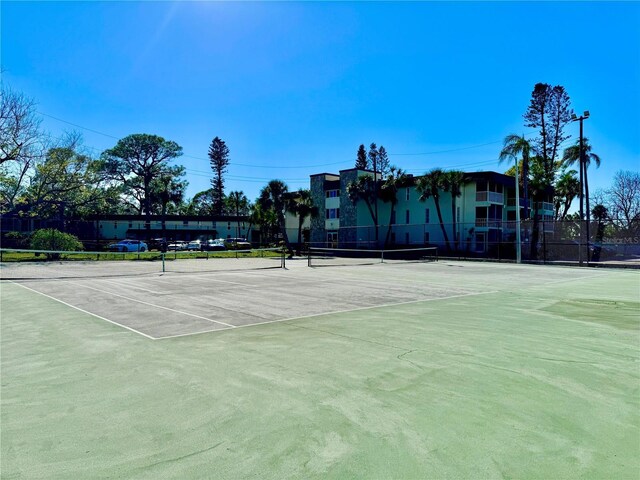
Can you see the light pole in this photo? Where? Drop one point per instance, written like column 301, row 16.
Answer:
column 581, row 118
column 518, row 244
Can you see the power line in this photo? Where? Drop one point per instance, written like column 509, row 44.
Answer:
column 457, row 149
column 78, row 126
column 296, row 166
column 254, row 179
column 192, row 156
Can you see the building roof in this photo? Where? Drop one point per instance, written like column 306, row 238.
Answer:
column 158, row 218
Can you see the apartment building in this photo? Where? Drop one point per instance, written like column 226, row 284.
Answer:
column 483, row 214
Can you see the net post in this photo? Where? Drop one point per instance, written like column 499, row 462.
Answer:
column 283, row 261
column 163, row 262
column 309, row 256
column 381, row 256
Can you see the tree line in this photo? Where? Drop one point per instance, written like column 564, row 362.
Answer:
column 546, row 167
column 57, row 178
column 46, row 177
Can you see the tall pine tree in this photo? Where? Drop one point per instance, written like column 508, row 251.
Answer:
column 219, row 160
column 361, row 159
column 383, row 162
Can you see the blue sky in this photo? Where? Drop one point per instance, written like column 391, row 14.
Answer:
column 294, row 88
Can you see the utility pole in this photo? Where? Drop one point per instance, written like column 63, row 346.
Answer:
column 581, row 118
column 518, row 245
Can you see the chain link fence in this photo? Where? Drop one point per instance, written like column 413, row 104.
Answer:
column 544, row 241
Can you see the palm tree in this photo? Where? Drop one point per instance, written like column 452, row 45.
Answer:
column 165, row 189
column 238, row 203
column 274, row 197
column 365, row 188
column 302, row 206
column 514, row 146
column 265, row 219
column 389, row 193
column 572, row 155
column 566, row 190
column 454, row 181
column 429, row 186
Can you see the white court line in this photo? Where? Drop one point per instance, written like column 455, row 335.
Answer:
column 155, row 306
column 331, row 313
column 83, row 311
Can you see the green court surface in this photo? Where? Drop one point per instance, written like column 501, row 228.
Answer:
column 531, row 372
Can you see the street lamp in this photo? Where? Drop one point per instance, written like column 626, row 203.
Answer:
column 581, row 118
column 518, row 244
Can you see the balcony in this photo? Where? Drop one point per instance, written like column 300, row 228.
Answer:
column 511, row 202
column 546, row 206
column 488, row 223
column 490, row 197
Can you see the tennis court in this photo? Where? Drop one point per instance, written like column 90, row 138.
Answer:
column 393, row 370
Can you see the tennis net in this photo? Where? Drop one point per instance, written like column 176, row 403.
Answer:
column 48, row 264
column 324, row 257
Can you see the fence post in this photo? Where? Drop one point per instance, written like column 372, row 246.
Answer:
column 580, row 243
column 163, row 262
column 544, row 244
column 588, row 224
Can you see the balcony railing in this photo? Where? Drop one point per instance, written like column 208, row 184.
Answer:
column 511, row 202
column 488, row 223
column 491, row 197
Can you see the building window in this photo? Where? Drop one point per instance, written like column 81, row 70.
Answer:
column 333, row 213
column 407, row 194
column 407, row 217
column 426, row 215
column 331, row 193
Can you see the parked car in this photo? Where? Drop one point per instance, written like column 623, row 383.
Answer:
column 177, row 245
column 194, row 245
column 128, row 246
column 213, row 245
column 158, row 244
column 237, row 244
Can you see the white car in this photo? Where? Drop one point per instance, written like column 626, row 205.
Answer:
column 177, row 245
column 128, row 246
